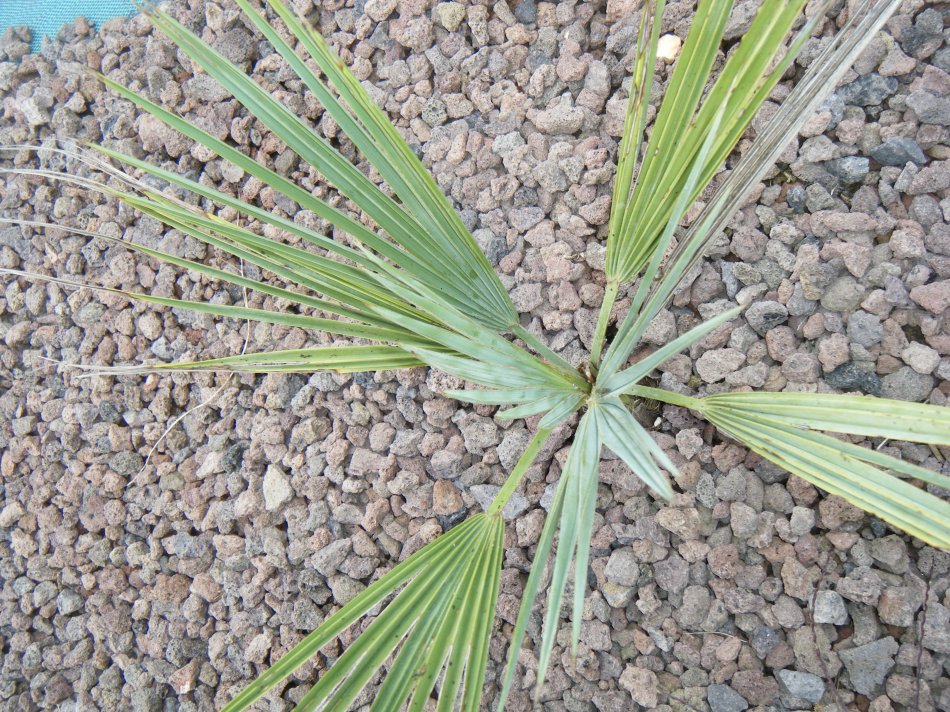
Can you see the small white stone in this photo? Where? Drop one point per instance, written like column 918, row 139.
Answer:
column 276, row 487
column 668, row 47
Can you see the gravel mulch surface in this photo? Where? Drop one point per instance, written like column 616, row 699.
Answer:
column 168, row 586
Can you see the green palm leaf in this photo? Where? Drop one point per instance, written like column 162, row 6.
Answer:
column 781, row 427
column 464, row 277
column 370, row 130
column 440, row 620
column 682, row 125
column 571, row 516
column 424, row 579
column 631, row 443
column 823, row 74
column 855, row 415
column 818, row 459
column 339, row 359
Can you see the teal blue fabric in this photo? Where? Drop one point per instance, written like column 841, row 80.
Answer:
column 45, row 17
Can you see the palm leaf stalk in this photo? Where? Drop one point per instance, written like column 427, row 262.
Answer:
column 408, row 282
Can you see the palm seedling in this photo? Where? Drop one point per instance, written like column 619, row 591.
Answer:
column 408, row 286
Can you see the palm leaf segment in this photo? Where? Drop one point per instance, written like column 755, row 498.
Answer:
column 435, row 629
column 422, row 283
column 434, row 245
column 781, row 427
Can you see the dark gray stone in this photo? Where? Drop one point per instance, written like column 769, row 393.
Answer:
column 850, row 169
column 898, row 152
column 763, row 316
column 941, row 59
column 869, row 90
column 801, row 685
column 494, row 246
column 722, row 698
column 795, row 197
column 925, row 36
column 763, row 640
column 852, row 377
column 869, row 664
column 526, row 11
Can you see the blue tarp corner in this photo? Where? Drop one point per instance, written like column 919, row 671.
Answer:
column 46, row 17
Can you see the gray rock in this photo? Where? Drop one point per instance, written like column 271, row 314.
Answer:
column 562, row 118
column 890, row 552
column 764, row 640
column 622, row 567
column 672, row 574
column 444, row 465
column 869, row 664
column 485, row 494
column 942, row 59
column 550, row 176
column 506, row 143
column 803, row 641
column 11, row 514
column 852, row 377
column 906, row 384
column 864, row 328
column 743, row 519
column 802, row 685
column 526, row 11
column 715, row 365
column 925, row 36
column 843, row 295
column 850, row 169
column 722, row 698
column 921, row 357
column 523, row 219
column 830, row 608
column 512, row 445
column 68, row 601
column 766, row 315
column 795, row 197
column 937, row 628
column 598, row 79
column 479, row 433
column 898, row 152
column 494, row 246
column 330, row 557
column 869, row 90
column 862, row 585
column 434, row 113
column 802, row 520
column 732, row 487
column 617, row 596
column 930, row 109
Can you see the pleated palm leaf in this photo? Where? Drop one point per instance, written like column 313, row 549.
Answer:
column 410, row 280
